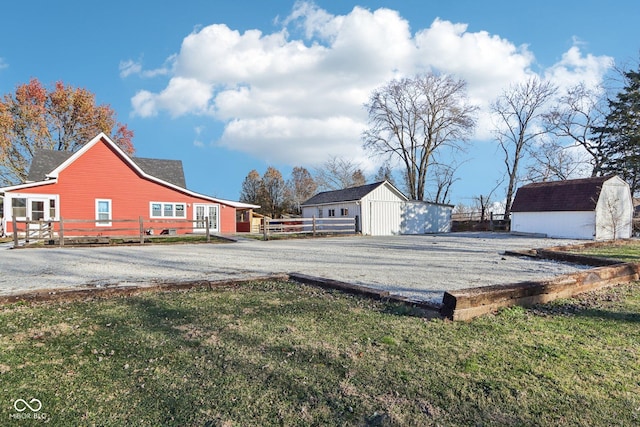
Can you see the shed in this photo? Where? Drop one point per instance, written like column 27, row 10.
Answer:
column 599, row 208
column 380, row 209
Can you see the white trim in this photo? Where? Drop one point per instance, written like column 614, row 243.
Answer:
column 103, row 223
column 173, row 210
column 213, row 228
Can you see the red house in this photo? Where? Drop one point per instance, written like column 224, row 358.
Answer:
column 100, row 181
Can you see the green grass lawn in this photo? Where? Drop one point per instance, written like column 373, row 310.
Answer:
column 281, row 353
column 626, row 251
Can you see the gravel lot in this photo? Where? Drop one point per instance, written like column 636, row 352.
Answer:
column 421, row 267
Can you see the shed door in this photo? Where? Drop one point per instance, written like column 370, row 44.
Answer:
column 202, row 213
column 384, row 218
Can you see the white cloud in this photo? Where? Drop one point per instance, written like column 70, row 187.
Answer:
column 298, row 100
column 3, row 64
column 130, row 67
column 574, row 66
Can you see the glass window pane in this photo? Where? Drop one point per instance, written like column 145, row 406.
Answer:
column 52, row 208
column 180, row 210
column 168, row 209
column 19, row 207
column 156, row 209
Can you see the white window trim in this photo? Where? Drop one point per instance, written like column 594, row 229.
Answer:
column 173, row 215
column 102, row 223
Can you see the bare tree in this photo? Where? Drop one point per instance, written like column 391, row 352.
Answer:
column 273, row 188
column 338, row 173
column 251, row 188
column 443, row 178
column 553, row 161
column 385, row 173
column 300, row 187
column 411, row 118
column 483, row 202
column 576, row 116
column 519, row 111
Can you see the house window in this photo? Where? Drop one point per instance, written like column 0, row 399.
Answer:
column 344, row 212
column 167, row 210
column 52, row 208
column 319, row 212
column 103, row 212
column 19, row 206
column 332, row 212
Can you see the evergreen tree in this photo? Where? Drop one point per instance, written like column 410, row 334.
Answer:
column 621, row 132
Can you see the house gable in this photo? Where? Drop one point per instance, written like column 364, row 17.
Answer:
column 46, row 161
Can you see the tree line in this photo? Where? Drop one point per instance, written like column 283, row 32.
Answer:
column 277, row 196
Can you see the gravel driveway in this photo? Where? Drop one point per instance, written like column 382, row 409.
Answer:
column 421, row 267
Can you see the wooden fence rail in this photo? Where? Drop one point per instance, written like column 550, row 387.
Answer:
column 307, row 225
column 141, row 227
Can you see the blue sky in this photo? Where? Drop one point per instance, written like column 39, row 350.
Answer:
column 227, row 87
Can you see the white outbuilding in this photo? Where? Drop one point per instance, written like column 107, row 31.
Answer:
column 380, row 209
column 599, row 208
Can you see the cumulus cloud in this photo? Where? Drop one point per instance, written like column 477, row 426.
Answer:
column 298, row 99
column 3, row 63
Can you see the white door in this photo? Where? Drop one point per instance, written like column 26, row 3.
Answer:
column 36, row 211
column 210, row 212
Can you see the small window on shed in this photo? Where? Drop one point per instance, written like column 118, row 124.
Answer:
column 319, row 212
column 332, row 212
column 344, row 212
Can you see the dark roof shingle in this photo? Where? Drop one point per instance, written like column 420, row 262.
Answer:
column 345, row 195
column 45, row 161
column 558, row 196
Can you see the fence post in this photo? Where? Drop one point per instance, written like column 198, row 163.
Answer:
column 491, row 221
column 15, row 232
column 61, row 232
column 313, row 225
column 141, row 231
column 206, row 221
column 265, row 227
column 26, row 231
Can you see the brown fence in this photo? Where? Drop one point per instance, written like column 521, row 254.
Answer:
column 475, row 221
column 141, row 229
column 311, row 226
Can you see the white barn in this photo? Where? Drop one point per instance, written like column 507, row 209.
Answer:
column 380, row 209
column 599, row 208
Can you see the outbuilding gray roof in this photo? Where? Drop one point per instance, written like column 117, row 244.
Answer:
column 345, row 195
column 577, row 195
column 45, row 161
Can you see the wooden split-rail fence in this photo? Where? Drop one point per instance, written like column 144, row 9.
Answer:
column 141, row 229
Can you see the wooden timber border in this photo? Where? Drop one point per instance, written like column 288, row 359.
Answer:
column 465, row 304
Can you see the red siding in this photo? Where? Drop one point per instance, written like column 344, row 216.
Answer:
column 100, row 173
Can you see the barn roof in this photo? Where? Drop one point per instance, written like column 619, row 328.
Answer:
column 556, row 196
column 45, row 161
column 347, row 195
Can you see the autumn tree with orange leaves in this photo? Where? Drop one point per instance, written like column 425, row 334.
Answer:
column 63, row 118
